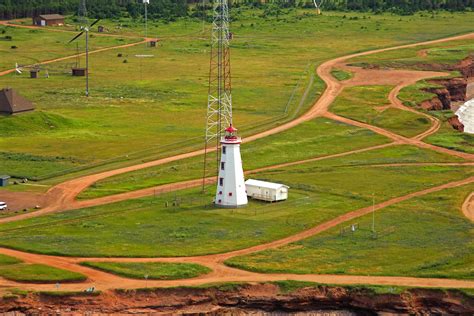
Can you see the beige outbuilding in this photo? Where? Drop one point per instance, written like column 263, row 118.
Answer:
column 266, row 191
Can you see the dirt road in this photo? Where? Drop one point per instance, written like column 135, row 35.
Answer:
column 6, row 72
column 468, row 207
column 223, row 273
column 63, row 197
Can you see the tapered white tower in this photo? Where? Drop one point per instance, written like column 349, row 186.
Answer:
column 231, row 184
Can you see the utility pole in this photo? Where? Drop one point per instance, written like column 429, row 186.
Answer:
column 373, row 214
column 87, row 61
column 219, row 102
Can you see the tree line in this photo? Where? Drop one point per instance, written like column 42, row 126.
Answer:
column 13, row 9
column 169, row 9
column 397, row 6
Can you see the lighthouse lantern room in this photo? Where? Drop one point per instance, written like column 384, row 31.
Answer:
column 231, row 184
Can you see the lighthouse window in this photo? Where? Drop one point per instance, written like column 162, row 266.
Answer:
column 221, row 181
column 223, row 150
column 222, row 165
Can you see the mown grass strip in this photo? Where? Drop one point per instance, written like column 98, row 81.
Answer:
column 150, row 270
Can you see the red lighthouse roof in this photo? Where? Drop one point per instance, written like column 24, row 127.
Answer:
column 230, row 135
column 231, row 129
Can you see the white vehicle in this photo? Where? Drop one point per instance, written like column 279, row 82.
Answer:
column 3, row 206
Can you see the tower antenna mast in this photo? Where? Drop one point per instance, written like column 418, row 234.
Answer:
column 146, row 3
column 219, row 102
column 82, row 13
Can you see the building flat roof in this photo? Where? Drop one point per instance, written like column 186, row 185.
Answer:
column 4, row 177
column 51, row 16
column 265, row 184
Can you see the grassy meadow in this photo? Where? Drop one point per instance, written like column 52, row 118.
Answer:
column 426, row 236
column 141, row 107
column 15, row 270
column 152, row 226
column 369, row 104
column 442, row 57
column 150, row 270
column 450, row 138
column 36, row 45
column 320, row 137
column 341, row 75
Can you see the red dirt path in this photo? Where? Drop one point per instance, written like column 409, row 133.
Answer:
column 62, row 197
column 468, row 207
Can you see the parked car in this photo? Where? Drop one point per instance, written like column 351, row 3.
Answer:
column 3, row 206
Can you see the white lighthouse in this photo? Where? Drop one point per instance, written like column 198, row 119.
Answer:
column 230, row 191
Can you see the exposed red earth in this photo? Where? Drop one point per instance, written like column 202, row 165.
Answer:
column 62, row 197
column 255, row 299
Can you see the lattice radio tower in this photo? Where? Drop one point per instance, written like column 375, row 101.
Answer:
column 219, row 102
column 82, row 13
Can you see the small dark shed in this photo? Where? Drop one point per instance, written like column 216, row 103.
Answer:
column 78, row 72
column 34, row 73
column 48, row 20
column 12, row 103
column 4, row 181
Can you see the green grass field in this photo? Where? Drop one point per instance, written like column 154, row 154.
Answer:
column 413, row 95
column 15, row 270
column 421, row 57
column 450, row 138
column 319, row 137
column 32, row 273
column 424, row 237
column 144, row 108
column 447, row 136
column 440, row 57
column 36, row 45
column 341, row 75
column 320, row 145
column 7, row 260
column 146, row 227
column 368, row 104
column 159, row 101
column 150, row 270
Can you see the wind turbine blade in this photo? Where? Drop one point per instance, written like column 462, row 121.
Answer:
column 97, row 21
column 76, row 37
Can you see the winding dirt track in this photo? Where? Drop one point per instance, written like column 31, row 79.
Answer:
column 6, row 72
column 62, row 196
column 223, row 273
column 468, row 207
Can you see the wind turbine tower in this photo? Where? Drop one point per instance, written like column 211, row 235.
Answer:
column 220, row 134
